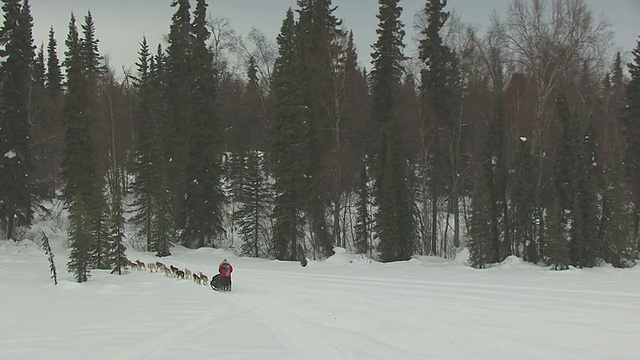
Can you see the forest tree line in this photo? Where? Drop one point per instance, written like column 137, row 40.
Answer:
column 522, row 139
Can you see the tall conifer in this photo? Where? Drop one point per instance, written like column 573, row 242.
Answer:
column 54, row 74
column 394, row 219
column 78, row 162
column 202, row 207
column 288, row 133
column 631, row 120
column 153, row 217
column 440, row 90
column 16, row 169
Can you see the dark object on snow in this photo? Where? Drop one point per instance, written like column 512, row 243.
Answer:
column 219, row 283
column 214, row 282
column 303, row 263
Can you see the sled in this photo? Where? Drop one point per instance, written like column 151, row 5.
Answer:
column 214, row 282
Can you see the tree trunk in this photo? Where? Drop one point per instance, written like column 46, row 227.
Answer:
column 434, row 221
column 456, row 223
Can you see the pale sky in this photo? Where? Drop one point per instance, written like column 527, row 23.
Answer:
column 120, row 24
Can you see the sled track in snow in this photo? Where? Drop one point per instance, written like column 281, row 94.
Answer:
column 427, row 287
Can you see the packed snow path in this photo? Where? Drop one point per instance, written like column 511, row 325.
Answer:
column 341, row 308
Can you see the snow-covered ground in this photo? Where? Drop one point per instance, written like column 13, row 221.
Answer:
column 341, row 308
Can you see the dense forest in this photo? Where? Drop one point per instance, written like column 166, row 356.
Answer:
column 521, row 139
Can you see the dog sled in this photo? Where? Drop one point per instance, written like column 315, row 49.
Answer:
column 217, row 286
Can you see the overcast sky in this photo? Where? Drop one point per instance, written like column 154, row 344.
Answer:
column 120, row 24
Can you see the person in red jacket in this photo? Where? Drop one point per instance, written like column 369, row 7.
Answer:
column 224, row 281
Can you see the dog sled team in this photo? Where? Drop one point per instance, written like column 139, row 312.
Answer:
column 220, row 281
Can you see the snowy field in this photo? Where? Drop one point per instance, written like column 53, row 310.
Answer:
column 341, row 308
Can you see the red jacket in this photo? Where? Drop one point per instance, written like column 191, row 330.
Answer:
column 225, row 269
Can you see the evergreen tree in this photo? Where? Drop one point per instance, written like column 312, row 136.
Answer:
column 54, row 74
column 394, row 221
column 495, row 169
column 117, row 247
column 46, row 246
column 162, row 223
column 79, row 239
column 78, row 163
column 39, row 73
column 16, row 186
column 288, row 133
column 568, row 156
column 40, row 150
column 27, row 22
column 631, row 120
column 617, row 232
column 153, row 217
column 481, row 242
column 584, row 221
column 178, row 95
column 202, row 208
column 100, row 237
column 253, row 84
column 523, row 194
column 254, row 212
column 440, row 89
column 89, row 48
column 363, row 218
column 146, row 156
column 92, row 70
column 556, row 245
column 47, row 104
column 317, row 33
column 575, row 185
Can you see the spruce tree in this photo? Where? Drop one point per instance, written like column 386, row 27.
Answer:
column 92, row 70
column 202, row 207
column 39, row 72
column 153, row 216
column 163, row 225
column 523, row 194
column 617, row 227
column 92, row 59
column 631, row 121
column 394, row 220
column 495, row 170
column 575, row 183
column 178, row 64
column 145, row 153
column 584, row 225
column 54, row 74
column 46, row 104
column 78, row 161
column 116, row 222
column 568, row 156
column 16, row 170
column 253, row 215
column 46, row 246
column 440, row 89
column 318, row 32
column 79, row 239
column 288, row 133
column 481, row 242
column 556, row 245
column 40, row 150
